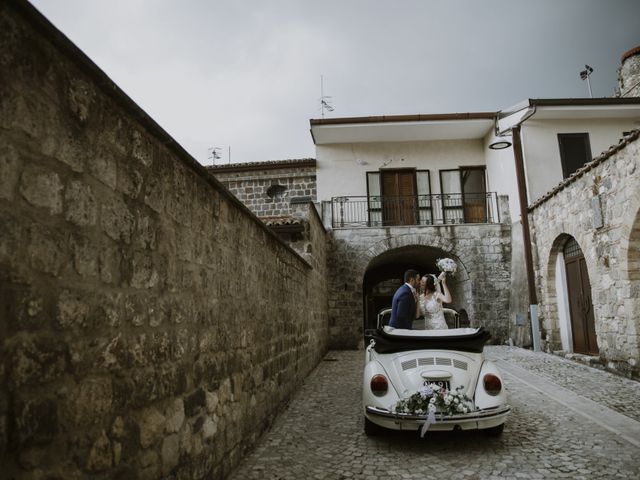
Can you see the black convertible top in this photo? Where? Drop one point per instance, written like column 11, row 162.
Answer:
column 395, row 342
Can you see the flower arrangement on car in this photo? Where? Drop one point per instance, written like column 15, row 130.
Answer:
column 434, row 398
column 447, row 265
column 431, row 399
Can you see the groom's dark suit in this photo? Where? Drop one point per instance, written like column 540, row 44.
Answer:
column 403, row 308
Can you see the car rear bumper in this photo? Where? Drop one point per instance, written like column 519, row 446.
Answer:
column 479, row 419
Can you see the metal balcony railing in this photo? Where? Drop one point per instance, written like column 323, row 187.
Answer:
column 437, row 209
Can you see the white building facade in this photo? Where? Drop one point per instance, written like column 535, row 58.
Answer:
column 402, row 191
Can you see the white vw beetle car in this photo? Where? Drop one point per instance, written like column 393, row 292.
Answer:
column 401, row 362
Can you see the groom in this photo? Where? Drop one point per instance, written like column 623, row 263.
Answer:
column 403, row 306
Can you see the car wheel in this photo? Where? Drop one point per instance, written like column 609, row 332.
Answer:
column 371, row 429
column 494, row 431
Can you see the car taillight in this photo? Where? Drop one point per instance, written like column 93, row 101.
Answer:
column 492, row 384
column 379, row 385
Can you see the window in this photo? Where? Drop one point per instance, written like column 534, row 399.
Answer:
column 464, row 196
column 451, row 199
column 423, row 180
column 276, row 191
column 575, row 151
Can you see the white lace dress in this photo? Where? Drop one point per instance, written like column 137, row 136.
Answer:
column 431, row 307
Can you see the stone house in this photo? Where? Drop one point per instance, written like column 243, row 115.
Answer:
column 403, row 191
column 586, row 235
column 267, row 188
column 278, row 192
column 400, row 192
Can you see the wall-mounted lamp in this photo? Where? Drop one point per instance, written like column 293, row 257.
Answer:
column 500, row 145
column 360, row 162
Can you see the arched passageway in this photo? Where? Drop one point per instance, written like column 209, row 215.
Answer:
column 384, row 274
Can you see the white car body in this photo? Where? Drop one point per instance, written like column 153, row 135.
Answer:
column 431, row 356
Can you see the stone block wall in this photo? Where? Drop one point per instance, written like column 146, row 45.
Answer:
column 267, row 188
column 150, row 325
column 600, row 207
column 629, row 73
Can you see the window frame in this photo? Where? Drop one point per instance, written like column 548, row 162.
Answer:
column 446, row 208
column 563, row 158
column 460, row 208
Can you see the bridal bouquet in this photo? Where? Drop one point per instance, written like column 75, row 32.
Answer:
column 447, row 265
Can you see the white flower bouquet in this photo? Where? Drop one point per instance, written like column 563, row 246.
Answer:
column 447, row 265
column 433, row 398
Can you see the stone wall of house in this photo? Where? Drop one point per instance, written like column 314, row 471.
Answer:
column 600, row 207
column 150, row 325
column 481, row 286
column 268, row 187
column 629, row 73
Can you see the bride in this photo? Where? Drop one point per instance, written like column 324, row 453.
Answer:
column 430, row 302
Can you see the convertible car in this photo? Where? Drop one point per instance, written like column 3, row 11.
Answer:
column 404, row 369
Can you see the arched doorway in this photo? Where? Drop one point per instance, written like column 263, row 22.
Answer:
column 384, row 275
column 579, row 298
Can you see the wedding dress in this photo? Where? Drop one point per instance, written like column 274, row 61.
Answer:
column 433, row 312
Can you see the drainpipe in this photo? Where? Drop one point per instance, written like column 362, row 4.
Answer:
column 524, row 216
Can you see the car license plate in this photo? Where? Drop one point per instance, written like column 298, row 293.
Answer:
column 440, row 383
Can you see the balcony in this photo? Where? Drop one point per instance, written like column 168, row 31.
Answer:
column 437, row 209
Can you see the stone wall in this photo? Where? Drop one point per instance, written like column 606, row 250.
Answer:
column 268, row 187
column 481, row 286
column 600, row 207
column 629, row 73
column 148, row 325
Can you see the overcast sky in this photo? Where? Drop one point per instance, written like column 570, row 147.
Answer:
column 246, row 73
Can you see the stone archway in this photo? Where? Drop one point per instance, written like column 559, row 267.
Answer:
column 384, row 274
column 569, row 308
column 555, row 294
column 630, row 286
column 632, row 247
column 483, row 254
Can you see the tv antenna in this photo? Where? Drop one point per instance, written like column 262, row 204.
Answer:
column 325, row 100
column 213, row 154
column 584, row 75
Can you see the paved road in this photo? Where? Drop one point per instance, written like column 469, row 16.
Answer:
column 589, row 428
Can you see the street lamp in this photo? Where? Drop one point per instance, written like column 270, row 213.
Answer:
column 584, row 75
column 500, row 145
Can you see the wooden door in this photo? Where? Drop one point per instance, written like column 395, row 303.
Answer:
column 399, row 201
column 580, row 304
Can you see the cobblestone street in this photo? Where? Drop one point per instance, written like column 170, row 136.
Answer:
column 589, row 428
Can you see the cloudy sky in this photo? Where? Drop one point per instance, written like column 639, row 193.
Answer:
column 246, row 73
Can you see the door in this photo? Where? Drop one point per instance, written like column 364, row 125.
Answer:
column 580, row 305
column 399, row 201
column 474, row 197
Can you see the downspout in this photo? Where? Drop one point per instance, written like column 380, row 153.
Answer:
column 526, row 234
column 524, row 218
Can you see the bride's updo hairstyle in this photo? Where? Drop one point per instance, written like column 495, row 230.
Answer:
column 430, row 284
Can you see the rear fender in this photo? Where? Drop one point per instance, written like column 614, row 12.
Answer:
column 386, row 401
column 482, row 398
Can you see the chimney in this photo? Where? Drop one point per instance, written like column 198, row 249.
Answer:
column 629, row 73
